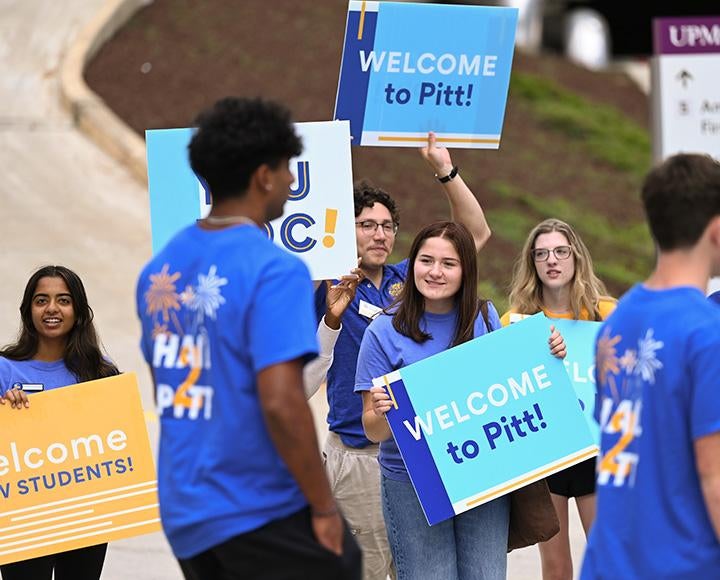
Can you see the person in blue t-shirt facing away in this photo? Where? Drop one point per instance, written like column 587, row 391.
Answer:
column 438, row 308
column 658, row 474
column 351, row 459
column 227, row 326
column 57, row 347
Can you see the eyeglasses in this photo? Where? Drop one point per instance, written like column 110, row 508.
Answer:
column 542, row 254
column 369, row 227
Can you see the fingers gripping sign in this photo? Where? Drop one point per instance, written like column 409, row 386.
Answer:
column 557, row 343
column 381, row 401
column 17, row 398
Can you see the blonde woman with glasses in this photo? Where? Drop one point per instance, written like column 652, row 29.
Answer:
column 554, row 274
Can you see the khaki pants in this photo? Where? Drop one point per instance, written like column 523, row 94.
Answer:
column 354, row 476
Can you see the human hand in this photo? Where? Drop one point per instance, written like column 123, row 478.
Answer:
column 436, row 157
column 340, row 295
column 17, row 398
column 380, row 401
column 557, row 343
column 328, row 530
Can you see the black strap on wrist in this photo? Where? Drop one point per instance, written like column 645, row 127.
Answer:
column 449, row 177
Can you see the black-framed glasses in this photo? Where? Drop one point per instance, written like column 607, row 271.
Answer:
column 369, row 227
column 542, row 254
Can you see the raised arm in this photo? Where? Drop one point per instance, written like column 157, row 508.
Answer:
column 337, row 298
column 464, row 206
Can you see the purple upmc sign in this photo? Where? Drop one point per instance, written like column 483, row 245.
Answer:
column 687, row 35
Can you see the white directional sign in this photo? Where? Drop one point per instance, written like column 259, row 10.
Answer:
column 686, row 86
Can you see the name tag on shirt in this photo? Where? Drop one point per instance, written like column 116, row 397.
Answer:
column 517, row 317
column 368, row 310
column 30, row 387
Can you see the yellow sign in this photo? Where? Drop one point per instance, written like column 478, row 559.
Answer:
column 76, row 470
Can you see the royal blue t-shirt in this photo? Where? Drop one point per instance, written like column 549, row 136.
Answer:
column 217, row 307
column 657, row 376
column 345, row 407
column 384, row 350
column 49, row 374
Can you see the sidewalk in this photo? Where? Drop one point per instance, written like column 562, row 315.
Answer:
column 66, row 202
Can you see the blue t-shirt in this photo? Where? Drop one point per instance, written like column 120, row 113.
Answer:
column 217, row 307
column 50, row 374
column 384, row 350
column 345, row 407
column 657, row 376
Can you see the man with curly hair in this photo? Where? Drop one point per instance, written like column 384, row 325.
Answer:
column 228, row 325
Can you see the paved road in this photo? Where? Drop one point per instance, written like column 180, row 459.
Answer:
column 66, row 202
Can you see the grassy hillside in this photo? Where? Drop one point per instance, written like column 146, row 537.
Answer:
column 575, row 144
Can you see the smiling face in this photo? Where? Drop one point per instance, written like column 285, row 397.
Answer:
column 438, row 274
column 375, row 248
column 554, row 273
column 52, row 310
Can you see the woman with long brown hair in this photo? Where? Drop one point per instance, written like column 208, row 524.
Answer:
column 438, row 308
column 57, row 346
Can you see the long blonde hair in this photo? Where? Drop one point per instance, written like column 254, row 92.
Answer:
column 526, row 291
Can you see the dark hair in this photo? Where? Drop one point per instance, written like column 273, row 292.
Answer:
column 83, row 356
column 367, row 195
column 235, row 137
column 681, row 196
column 411, row 304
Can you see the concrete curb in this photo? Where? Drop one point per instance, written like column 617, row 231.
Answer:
column 89, row 112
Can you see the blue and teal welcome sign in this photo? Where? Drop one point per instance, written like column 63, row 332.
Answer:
column 580, row 336
column 486, row 417
column 412, row 68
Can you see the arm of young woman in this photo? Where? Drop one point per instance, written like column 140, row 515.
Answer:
column 373, row 361
column 376, row 402
column 464, row 206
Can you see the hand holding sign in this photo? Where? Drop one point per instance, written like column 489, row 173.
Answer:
column 340, row 295
column 557, row 343
column 380, row 401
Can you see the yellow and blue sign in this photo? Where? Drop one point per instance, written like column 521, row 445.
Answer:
column 485, row 418
column 318, row 219
column 412, row 68
column 76, row 469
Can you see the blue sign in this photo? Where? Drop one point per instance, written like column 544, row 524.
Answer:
column 580, row 339
column 412, row 68
column 318, row 219
column 174, row 188
column 486, row 417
